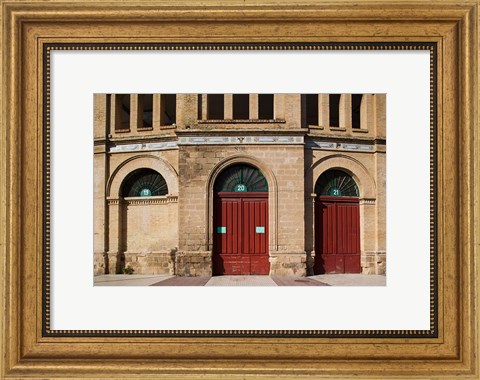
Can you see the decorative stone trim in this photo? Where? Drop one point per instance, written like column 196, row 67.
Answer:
column 144, row 146
column 367, row 201
column 135, row 201
column 229, row 140
column 341, row 146
column 132, row 201
column 360, row 147
column 322, row 145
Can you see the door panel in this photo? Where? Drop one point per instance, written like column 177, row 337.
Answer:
column 337, row 235
column 240, row 235
column 255, row 234
column 227, row 229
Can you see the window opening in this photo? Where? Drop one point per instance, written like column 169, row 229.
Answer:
column 124, row 103
column 241, row 107
column 356, row 105
column 312, row 109
column 334, row 105
column 169, row 109
column 215, row 105
column 265, row 106
column 336, row 183
column 241, row 178
column 199, row 107
column 147, row 110
column 144, row 183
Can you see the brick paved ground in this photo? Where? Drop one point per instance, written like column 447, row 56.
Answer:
column 183, row 281
column 167, row 280
column 241, row 281
column 351, row 279
column 128, row 279
column 296, row 281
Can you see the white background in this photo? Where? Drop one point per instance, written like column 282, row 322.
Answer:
column 402, row 304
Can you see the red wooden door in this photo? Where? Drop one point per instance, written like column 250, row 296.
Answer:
column 240, row 234
column 337, row 235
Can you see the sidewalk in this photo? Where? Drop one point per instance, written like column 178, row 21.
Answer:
column 168, row 280
column 351, row 279
column 128, row 279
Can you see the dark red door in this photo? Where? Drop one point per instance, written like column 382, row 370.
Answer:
column 337, row 235
column 240, row 234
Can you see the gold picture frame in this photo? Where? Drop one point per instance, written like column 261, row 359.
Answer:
column 30, row 28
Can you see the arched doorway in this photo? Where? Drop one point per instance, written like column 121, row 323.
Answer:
column 337, row 224
column 240, row 222
column 145, row 221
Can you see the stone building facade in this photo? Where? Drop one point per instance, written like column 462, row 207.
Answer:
column 202, row 184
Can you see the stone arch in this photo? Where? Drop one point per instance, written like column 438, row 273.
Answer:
column 368, row 196
column 351, row 166
column 272, row 196
column 138, row 162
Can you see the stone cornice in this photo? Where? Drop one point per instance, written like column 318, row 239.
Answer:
column 346, row 139
column 241, row 140
column 241, row 131
column 239, row 137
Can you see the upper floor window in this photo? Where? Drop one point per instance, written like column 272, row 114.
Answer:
column 265, row 106
column 215, row 107
column 311, row 105
column 241, row 106
column 334, row 110
column 168, row 109
column 123, row 111
column 356, row 105
column 146, row 108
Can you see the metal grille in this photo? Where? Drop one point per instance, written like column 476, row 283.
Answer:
column 336, row 183
column 241, row 177
column 144, row 183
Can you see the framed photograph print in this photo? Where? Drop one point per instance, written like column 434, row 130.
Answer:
column 239, row 189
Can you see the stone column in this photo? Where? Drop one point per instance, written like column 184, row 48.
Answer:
column 367, row 119
column 279, row 106
column 368, row 233
column 157, row 117
column 293, row 106
column 345, row 112
column 323, row 110
column 380, row 108
column 100, row 162
column 187, row 105
column 204, row 106
column 311, row 262
column 115, row 235
column 253, row 103
column 381, row 206
column 136, row 113
column 228, row 106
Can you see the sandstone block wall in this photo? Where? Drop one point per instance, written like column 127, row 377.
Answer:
column 175, row 237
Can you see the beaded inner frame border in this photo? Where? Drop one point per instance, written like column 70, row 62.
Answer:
column 46, row 254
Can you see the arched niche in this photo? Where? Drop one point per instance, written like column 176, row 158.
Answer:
column 140, row 162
